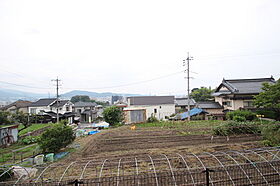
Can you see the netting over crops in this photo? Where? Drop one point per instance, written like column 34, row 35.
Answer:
column 255, row 166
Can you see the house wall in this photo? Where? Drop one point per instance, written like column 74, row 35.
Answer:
column 161, row 110
column 235, row 104
column 38, row 109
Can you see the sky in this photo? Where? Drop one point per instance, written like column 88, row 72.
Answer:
column 129, row 46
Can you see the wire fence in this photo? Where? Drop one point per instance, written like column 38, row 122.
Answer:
column 259, row 173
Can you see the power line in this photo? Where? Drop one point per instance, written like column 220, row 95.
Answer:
column 134, row 83
column 20, row 85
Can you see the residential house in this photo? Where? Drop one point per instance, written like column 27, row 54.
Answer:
column 50, row 105
column 181, row 104
column 48, row 109
column 86, row 111
column 17, row 106
column 160, row 107
column 239, row 93
column 213, row 109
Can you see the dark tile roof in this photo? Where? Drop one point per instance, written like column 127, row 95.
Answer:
column 209, row 105
column 151, row 100
column 243, row 86
column 84, row 104
column 184, row 101
column 43, row 102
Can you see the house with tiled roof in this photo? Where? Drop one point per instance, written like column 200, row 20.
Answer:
column 234, row 94
column 50, row 105
column 17, row 106
column 86, row 111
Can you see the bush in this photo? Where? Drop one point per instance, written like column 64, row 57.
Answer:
column 239, row 118
column 248, row 115
column 152, row 119
column 113, row 115
column 55, row 138
column 271, row 135
column 267, row 113
column 29, row 140
column 233, row 127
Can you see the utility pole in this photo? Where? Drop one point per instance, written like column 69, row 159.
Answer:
column 188, row 80
column 57, row 85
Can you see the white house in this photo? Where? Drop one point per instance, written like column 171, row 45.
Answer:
column 50, row 105
column 158, row 106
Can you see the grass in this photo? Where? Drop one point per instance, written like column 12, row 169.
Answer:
column 6, row 154
column 183, row 124
column 184, row 128
column 32, row 128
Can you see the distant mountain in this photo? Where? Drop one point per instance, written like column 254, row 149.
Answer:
column 10, row 95
column 93, row 94
column 13, row 95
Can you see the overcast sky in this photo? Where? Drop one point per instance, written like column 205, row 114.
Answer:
column 136, row 46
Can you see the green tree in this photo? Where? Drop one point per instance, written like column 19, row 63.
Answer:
column 113, row 115
column 22, row 118
column 202, row 94
column 5, row 118
column 82, row 98
column 269, row 98
column 55, row 138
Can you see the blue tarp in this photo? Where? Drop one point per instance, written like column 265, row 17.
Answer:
column 93, row 132
column 193, row 112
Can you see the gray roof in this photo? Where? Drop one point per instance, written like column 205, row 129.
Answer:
column 151, row 100
column 209, row 105
column 243, row 86
column 184, row 101
column 84, row 104
column 42, row 102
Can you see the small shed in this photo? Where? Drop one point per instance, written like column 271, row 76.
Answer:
column 8, row 135
column 134, row 115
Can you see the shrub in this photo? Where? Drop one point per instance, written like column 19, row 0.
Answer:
column 113, row 115
column 271, row 135
column 55, row 138
column 152, row 119
column 238, row 118
column 248, row 115
column 29, row 140
column 234, row 127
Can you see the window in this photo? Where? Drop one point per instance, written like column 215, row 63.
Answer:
column 227, row 103
column 248, row 104
column 155, row 111
column 67, row 108
column 79, row 111
column 33, row 110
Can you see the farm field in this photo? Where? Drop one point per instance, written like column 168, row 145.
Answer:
column 159, row 152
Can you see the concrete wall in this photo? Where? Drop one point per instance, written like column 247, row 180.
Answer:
column 159, row 111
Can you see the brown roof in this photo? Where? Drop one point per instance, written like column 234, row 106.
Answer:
column 18, row 104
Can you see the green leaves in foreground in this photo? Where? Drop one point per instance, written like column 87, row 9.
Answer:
column 55, row 138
